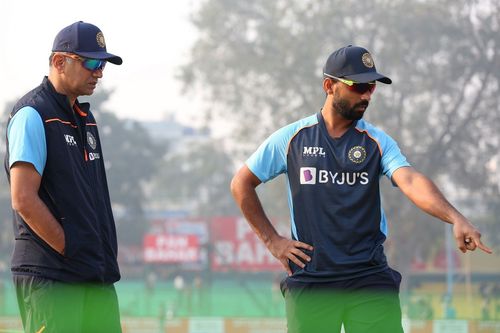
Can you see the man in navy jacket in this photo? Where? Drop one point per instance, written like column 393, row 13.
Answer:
column 64, row 262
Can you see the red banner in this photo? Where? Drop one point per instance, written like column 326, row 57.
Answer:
column 236, row 247
column 166, row 248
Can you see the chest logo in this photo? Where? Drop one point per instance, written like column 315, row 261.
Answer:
column 91, row 140
column 357, row 154
column 70, row 140
column 314, row 151
column 308, row 176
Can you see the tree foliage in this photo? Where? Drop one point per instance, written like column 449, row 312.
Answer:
column 132, row 158
column 259, row 64
column 6, row 223
column 196, row 178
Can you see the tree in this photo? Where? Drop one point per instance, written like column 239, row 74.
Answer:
column 260, row 62
column 6, row 239
column 197, row 179
column 131, row 158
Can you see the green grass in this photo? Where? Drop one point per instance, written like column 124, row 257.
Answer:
column 252, row 299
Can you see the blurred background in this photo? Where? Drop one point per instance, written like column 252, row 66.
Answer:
column 205, row 82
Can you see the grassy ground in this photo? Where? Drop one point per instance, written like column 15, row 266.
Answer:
column 236, row 298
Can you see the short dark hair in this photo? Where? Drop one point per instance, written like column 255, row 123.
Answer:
column 51, row 57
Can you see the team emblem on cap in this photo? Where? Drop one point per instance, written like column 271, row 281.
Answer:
column 100, row 39
column 367, row 60
column 357, row 154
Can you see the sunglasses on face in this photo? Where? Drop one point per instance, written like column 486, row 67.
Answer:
column 360, row 88
column 88, row 63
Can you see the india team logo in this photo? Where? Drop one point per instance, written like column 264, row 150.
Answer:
column 91, row 141
column 367, row 60
column 308, row 175
column 357, row 154
column 100, row 39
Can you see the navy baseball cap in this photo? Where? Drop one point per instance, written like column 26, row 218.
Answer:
column 85, row 40
column 353, row 63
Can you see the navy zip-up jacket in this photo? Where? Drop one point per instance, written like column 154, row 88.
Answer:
column 75, row 190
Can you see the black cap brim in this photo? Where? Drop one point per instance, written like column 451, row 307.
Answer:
column 369, row 77
column 114, row 59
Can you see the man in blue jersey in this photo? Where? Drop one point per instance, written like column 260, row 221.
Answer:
column 64, row 262
column 337, row 270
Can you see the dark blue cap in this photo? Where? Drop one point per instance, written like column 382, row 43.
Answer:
column 85, row 40
column 353, row 63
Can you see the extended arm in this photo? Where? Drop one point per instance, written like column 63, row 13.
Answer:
column 25, row 182
column 425, row 195
column 243, row 189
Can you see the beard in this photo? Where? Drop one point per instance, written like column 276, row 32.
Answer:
column 347, row 111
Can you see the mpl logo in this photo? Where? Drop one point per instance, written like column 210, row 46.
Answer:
column 70, row 140
column 314, row 151
column 308, row 176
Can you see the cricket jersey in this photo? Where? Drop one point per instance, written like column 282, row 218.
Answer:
column 333, row 193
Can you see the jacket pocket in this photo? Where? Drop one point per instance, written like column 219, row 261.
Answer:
column 70, row 239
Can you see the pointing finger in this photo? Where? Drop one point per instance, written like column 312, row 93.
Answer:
column 483, row 247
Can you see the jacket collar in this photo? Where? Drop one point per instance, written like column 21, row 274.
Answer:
column 62, row 99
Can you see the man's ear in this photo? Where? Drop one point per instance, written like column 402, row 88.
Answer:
column 59, row 62
column 328, row 86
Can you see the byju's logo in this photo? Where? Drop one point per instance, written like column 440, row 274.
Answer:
column 308, row 176
column 94, row 156
column 70, row 140
column 314, row 151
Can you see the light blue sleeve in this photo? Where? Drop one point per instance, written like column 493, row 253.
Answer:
column 26, row 135
column 392, row 158
column 270, row 159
